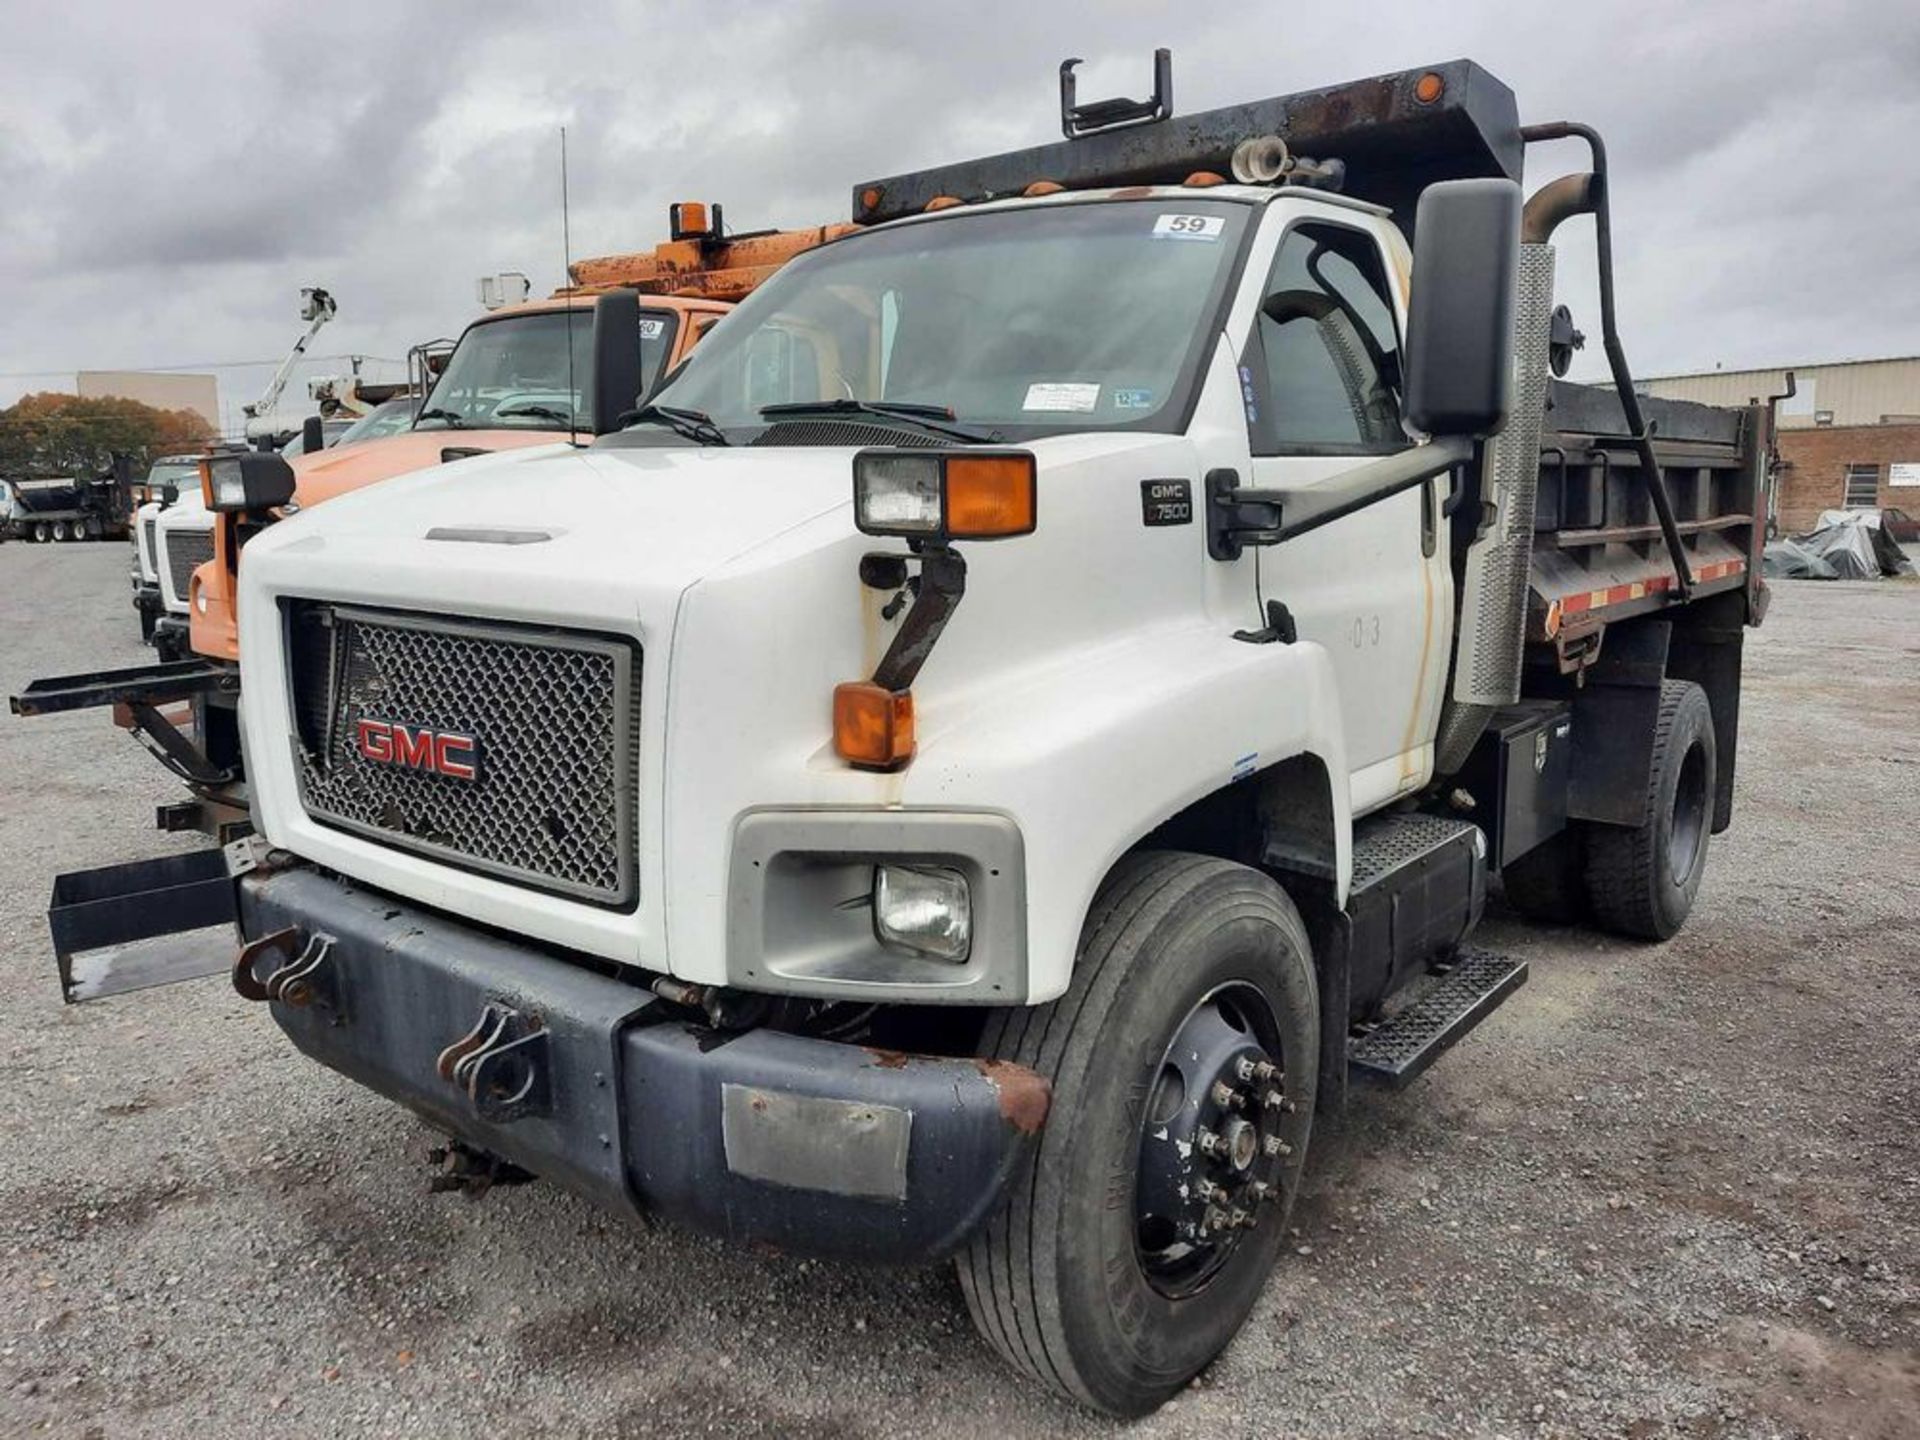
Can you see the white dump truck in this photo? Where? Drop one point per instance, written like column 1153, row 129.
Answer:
column 1021, row 720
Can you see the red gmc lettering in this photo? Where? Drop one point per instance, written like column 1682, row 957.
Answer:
column 453, row 755
column 413, row 747
column 440, row 753
column 376, row 740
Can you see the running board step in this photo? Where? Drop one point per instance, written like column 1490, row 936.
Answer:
column 1459, row 997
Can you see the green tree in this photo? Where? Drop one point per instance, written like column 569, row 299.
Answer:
column 49, row 434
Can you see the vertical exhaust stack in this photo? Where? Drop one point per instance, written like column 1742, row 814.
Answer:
column 1493, row 602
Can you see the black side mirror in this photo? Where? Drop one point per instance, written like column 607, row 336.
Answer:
column 313, row 435
column 169, row 493
column 614, row 387
column 1466, row 257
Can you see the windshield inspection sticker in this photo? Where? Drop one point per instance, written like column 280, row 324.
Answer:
column 1133, row 399
column 1071, row 395
column 1189, row 227
column 652, row 329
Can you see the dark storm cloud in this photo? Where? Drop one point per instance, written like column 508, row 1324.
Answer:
column 170, row 184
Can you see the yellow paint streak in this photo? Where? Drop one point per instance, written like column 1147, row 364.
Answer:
column 1420, row 677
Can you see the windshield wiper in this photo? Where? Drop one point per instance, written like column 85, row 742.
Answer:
column 936, row 418
column 544, row 412
column 454, row 420
column 694, row 425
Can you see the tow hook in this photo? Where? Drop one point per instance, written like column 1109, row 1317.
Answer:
column 501, row 1065
column 460, row 1166
column 300, row 980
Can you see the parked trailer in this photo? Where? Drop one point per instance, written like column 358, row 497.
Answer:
column 1032, row 720
column 62, row 510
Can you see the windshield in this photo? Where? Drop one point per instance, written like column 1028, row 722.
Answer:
column 388, row 418
column 513, row 373
column 1022, row 322
column 174, row 472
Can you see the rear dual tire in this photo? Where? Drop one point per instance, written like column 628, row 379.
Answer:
column 1075, row 1281
column 1640, row 880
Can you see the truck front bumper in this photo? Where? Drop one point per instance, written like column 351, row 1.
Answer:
column 148, row 605
column 172, row 636
column 810, row 1145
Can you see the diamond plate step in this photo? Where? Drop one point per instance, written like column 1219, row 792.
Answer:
column 1398, row 1049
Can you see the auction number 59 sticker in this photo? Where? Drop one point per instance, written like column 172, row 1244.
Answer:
column 1189, row 227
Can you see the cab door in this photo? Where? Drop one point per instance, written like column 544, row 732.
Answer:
column 1322, row 376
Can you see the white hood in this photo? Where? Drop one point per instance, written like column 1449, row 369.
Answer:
column 597, row 530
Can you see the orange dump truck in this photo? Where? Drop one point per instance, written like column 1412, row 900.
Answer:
column 545, row 372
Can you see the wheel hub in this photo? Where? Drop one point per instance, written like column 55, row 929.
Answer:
column 1211, row 1149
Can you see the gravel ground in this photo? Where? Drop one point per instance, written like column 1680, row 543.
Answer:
column 1664, row 1191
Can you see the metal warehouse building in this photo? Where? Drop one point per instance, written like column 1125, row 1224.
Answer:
column 1847, row 392
column 1850, row 435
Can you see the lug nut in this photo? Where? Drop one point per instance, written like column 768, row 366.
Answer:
column 1274, row 1145
column 1273, row 1100
column 1240, row 1220
column 1211, row 1193
column 1244, row 1067
column 1263, row 1192
column 1226, row 1097
column 1213, row 1220
column 1206, row 1142
column 1266, row 1070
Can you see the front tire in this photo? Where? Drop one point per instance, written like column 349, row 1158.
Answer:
column 1642, row 879
column 1128, row 1256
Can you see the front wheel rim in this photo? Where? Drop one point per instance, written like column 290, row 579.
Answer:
column 1212, row 1161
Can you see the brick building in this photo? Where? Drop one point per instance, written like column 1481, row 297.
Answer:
column 1849, row 436
column 1847, row 467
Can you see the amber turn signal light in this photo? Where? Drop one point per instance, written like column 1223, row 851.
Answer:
column 989, row 496
column 872, row 725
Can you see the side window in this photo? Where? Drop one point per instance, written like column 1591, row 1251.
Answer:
column 656, row 344
column 1325, row 358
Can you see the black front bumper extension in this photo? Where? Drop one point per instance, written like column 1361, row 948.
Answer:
column 809, row 1145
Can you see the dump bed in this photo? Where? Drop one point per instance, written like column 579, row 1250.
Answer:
column 1598, row 552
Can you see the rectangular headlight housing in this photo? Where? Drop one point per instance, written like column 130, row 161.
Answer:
column 926, row 909
column 938, row 496
column 245, row 480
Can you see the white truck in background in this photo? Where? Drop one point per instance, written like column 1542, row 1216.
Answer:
column 1033, row 715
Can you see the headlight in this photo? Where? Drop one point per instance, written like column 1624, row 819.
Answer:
column 245, row 480
column 898, row 495
column 927, row 910
column 972, row 495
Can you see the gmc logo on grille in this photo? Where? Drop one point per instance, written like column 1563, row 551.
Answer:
column 441, row 752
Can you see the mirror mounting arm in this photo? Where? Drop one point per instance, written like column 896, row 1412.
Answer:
column 1237, row 518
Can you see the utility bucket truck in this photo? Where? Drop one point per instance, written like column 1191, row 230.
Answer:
column 1020, row 722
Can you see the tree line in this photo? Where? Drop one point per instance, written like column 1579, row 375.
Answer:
column 50, row 434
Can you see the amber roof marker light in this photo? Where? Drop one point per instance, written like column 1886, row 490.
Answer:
column 1429, row 88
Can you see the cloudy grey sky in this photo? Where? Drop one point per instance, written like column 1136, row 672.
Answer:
column 170, row 176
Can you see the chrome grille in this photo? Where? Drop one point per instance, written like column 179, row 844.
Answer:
column 553, row 716
column 182, row 553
